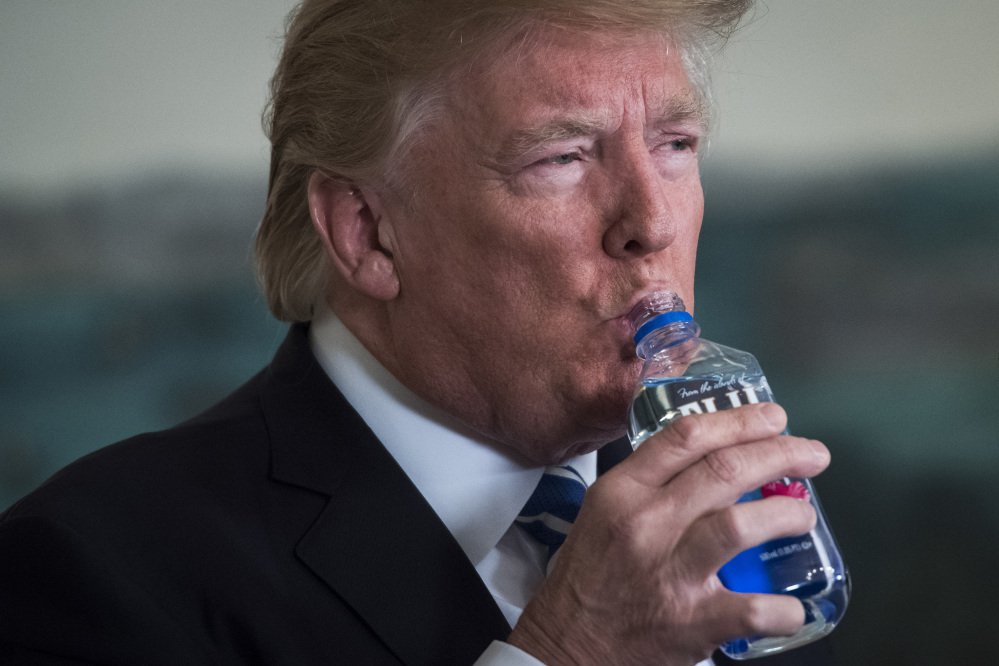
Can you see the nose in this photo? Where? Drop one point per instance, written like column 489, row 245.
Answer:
column 643, row 220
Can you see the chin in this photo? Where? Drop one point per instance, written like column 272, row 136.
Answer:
column 589, row 447
column 581, row 443
column 586, row 421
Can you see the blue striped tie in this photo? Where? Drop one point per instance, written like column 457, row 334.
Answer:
column 551, row 510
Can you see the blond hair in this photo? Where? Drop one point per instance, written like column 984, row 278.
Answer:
column 357, row 79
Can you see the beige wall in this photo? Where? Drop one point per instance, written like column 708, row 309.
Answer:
column 95, row 89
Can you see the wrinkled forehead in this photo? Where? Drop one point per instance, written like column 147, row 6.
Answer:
column 529, row 80
column 587, row 78
column 522, row 61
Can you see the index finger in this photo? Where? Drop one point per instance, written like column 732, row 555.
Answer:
column 688, row 439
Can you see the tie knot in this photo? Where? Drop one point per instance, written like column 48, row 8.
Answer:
column 551, row 510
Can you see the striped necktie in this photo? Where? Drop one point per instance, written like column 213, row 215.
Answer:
column 551, row 510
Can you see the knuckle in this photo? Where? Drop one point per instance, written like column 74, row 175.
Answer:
column 726, row 465
column 614, row 505
column 688, row 431
column 730, row 529
column 634, row 527
column 756, row 615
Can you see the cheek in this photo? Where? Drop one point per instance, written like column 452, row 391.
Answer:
column 479, row 271
column 536, row 251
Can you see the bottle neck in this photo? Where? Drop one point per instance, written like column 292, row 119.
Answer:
column 665, row 333
column 670, row 342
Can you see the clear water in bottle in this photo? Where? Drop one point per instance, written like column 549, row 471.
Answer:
column 685, row 375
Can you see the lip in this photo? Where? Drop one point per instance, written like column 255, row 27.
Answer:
column 622, row 321
column 647, row 304
column 642, row 297
column 623, row 328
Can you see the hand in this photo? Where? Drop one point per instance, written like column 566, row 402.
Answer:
column 636, row 581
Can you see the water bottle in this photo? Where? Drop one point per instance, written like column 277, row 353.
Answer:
column 685, row 374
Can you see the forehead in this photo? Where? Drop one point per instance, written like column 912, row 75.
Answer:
column 564, row 73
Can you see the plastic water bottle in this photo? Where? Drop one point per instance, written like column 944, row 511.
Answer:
column 685, row 374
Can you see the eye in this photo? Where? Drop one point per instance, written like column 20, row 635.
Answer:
column 557, row 170
column 682, row 143
column 563, row 159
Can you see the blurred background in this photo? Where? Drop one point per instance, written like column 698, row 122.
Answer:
column 851, row 241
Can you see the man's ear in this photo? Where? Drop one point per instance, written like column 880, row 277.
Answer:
column 348, row 223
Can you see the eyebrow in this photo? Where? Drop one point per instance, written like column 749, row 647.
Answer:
column 678, row 109
column 528, row 139
column 684, row 109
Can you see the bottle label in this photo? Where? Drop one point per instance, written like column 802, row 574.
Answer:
column 705, row 396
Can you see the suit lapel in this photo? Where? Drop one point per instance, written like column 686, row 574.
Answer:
column 611, row 454
column 378, row 545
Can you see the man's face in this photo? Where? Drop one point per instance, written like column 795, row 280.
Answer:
column 560, row 188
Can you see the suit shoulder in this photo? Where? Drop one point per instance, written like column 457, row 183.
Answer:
column 214, row 449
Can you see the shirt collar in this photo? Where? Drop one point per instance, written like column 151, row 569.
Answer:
column 475, row 486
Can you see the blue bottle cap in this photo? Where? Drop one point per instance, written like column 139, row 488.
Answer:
column 659, row 321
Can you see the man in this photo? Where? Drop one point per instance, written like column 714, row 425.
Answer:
column 466, row 200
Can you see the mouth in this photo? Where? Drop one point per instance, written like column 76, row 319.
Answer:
column 644, row 301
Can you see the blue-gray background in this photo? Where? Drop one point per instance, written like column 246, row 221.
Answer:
column 851, row 240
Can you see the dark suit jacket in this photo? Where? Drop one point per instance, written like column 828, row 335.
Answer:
column 272, row 529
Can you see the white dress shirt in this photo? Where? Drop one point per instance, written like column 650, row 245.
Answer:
column 475, row 486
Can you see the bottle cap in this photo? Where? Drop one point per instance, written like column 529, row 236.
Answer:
column 656, row 310
column 659, row 321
